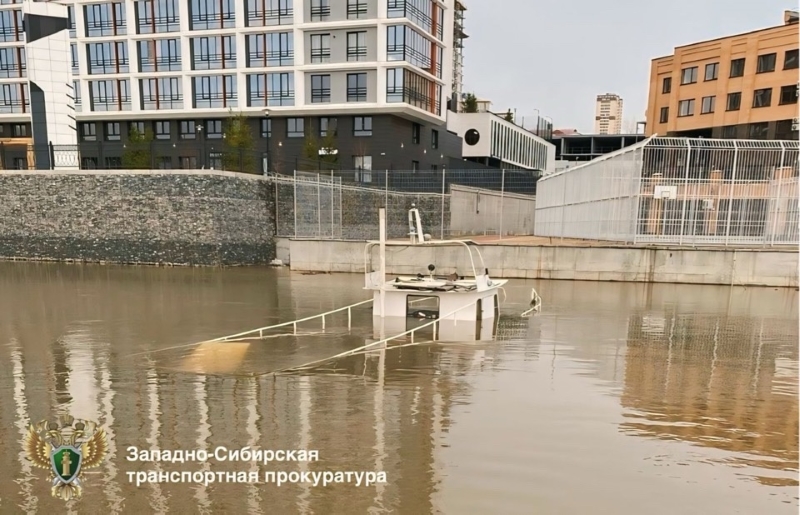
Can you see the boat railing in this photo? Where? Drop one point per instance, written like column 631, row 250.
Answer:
column 363, row 348
column 293, row 323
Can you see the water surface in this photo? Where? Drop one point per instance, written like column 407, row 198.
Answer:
column 617, row 398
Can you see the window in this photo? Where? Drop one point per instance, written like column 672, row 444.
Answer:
column 362, row 126
column 270, row 89
column 357, row 46
column 20, row 130
column 320, row 10
column 188, row 162
column 759, row 130
column 363, row 166
column 211, row 14
column 110, row 95
column 790, row 61
column 406, row 44
column 73, row 49
column 70, row 20
column 729, row 132
column 215, row 160
column 320, row 48
column 214, row 91
column 663, row 115
column 414, row 166
column 689, row 75
column 105, row 19
column 273, row 49
column 155, row 16
column 188, row 129
column 707, row 105
column 737, row 67
column 734, row 101
column 113, row 163
column 213, row 53
column 712, row 70
column 165, row 163
column 394, row 85
column 213, row 129
column 295, row 128
column 786, row 130
column 320, row 89
column 162, row 129
column 89, row 131
column 434, row 139
column 788, row 95
column 766, row 63
column 11, row 26
column 356, row 9
column 89, row 163
column 415, row 130
column 327, row 125
column 762, row 97
column 108, row 57
column 356, row 87
column 159, row 55
column 266, row 127
column 161, row 93
column 666, row 85
column 686, row 108
column 136, row 128
column 112, row 131
column 263, row 13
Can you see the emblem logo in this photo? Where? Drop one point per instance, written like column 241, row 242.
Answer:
column 67, row 448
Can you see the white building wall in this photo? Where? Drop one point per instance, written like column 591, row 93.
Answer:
column 503, row 140
column 301, row 28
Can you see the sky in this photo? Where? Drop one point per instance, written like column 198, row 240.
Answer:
column 557, row 56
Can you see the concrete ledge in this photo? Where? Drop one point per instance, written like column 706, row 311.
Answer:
column 720, row 266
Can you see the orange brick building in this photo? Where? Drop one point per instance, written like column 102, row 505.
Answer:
column 743, row 86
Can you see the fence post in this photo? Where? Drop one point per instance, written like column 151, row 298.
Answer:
column 333, row 236
column 386, row 190
column 731, row 187
column 502, row 193
column 444, row 187
column 685, row 193
column 295, row 203
column 52, row 156
column 319, row 208
column 776, row 211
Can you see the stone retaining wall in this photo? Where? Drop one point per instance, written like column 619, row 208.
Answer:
column 148, row 217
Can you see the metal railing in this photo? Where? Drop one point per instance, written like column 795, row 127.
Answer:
column 323, row 316
column 678, row 191
column 410, row 333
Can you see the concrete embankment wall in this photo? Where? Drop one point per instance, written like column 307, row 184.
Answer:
column 150, row 217
column 611, row 263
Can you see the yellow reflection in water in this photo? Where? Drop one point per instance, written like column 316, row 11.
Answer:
column 215, row 358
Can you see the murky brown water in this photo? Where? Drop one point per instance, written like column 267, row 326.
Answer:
column 617, row 398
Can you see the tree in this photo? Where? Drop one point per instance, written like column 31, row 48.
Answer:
column 239, row 153
column 470, row 103
column 322, row 152
column 138, row 149
column 509, row 117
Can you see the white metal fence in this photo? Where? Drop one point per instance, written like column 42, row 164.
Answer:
column 678, row 191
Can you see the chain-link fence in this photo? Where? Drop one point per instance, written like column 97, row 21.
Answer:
column 451, row 202
column 678, row 191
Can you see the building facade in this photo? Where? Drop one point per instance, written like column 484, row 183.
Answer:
column 742, row 86
column 608, row 114
column 295, row 69
column 494, row 142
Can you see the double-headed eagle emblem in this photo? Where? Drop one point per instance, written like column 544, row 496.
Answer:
column 67, row 448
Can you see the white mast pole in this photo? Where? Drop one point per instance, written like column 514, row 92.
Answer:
column 382, row 223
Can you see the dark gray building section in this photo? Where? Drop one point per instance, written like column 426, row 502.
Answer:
column 585, row 147
column 394, row 143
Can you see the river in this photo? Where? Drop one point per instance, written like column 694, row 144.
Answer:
column 616, row 399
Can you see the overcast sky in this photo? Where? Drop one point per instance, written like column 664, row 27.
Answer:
column 557, row 56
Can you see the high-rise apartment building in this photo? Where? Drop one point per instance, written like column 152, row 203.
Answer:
column 736, row 87
column 376, row 72
column 608, row 114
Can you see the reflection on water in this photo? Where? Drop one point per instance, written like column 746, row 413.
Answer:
column 684, row 398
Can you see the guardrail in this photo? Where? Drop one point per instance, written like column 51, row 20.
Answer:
column 360, row 350
column 293, row 323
